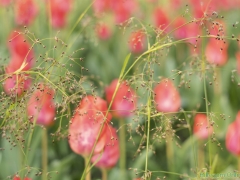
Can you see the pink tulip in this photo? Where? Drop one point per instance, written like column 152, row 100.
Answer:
column 108, row 158
column 59, row 10
column 103, row 31
column 137, row 41
column 86, row 124
column 167, row 97
column 125, row 100
column 216, row 52
column 18, row 178
column 201, row 128
column 25, row 11
column 161, row 20
column 40, row 107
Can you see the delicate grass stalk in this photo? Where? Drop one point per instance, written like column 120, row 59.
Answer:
column 104, row 173
column 87, row 168
column 169, row 148
column 148, row 134
column 44, row 154
column 122, row 137
column 209, row 138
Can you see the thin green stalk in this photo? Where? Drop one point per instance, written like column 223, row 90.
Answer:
column 104, row 173
column 122, row 137
column 87, row 168
column 201, row 155
column 148, row 134
column 209, row 137
column 169, row 147
column 44, row 154
column 238, row 158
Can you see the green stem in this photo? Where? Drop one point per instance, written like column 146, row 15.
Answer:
column 122, row 161
column 44, row 154
column 104, row 173
column 87, row 168
column 201, row 155
column 148, row 134
column 169, row 146
column 238, row 158
column 209, row 137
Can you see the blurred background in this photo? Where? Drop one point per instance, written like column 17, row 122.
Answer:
column 78, row 47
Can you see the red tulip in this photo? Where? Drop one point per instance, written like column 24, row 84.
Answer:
column 103, row 31
column 26, row 11
column 181, row 31
column 238, row 62
column 216, row 52
column 18, row 178
column 17, row 84
column 233, row 136
column 100, row 6
column 160, row 19
column 110, row 155
column 125, row 100
column 137, row 41
column 201, row 128
column 20, row 51
column 167, row 97
column 59, row 10
column 86, row 124
column 122, row 9
column 40, row 107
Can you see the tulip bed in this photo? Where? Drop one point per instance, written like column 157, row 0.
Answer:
column 119, row 89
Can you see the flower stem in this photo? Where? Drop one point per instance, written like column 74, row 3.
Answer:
column 201, row 155
column 44, row 154
column 169, row 149
column 104, row 173
column 122, row 137
column 88, row 172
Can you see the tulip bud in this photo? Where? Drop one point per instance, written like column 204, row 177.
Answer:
column 40, row 107
column 167, row 97
column 103, row 31
column 87, row 123
column 201, row 127
column 109, row 156
column 124, row 102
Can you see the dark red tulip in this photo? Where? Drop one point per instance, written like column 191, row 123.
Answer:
column 233, row 136
column 25, row 11
column 86, row 124
column 167, row 97
column 201, row 127
column 40, row 107
column 125, row 100
column 109, row 156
